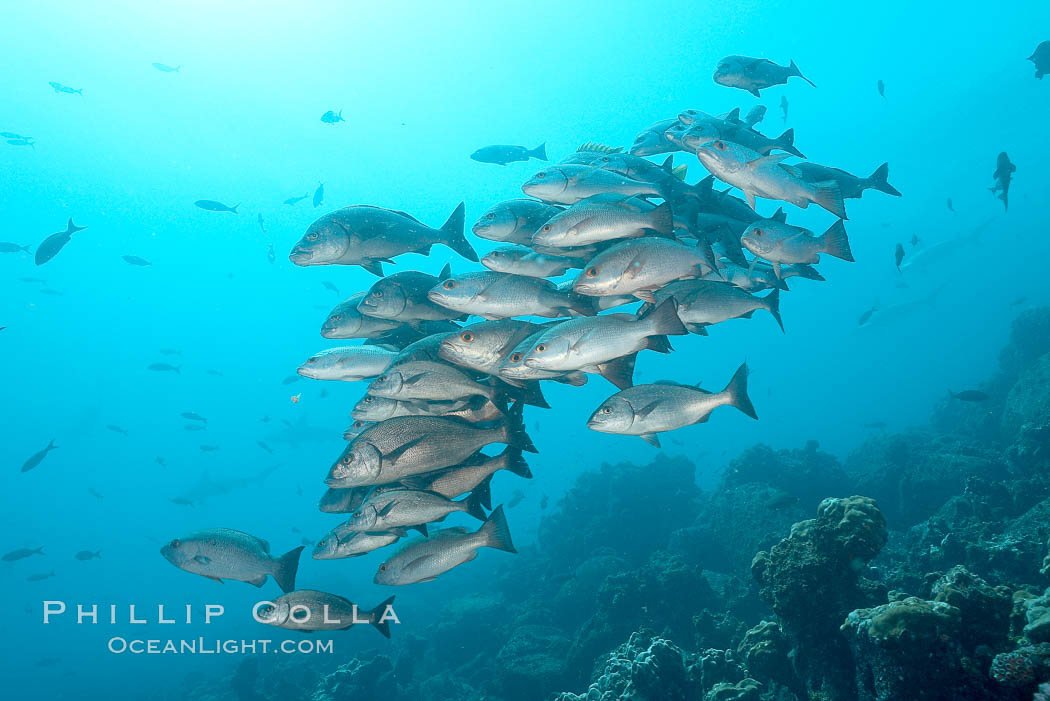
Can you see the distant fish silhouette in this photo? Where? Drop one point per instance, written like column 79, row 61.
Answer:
column 54, row 243
column 319, row 195
column 58, row 87
column 163, row 68
column 213, row 206
column 294, row 200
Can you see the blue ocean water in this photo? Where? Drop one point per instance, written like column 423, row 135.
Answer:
column 421, row 86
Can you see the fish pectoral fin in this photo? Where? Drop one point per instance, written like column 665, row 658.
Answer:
column 386, row 509
column 258, row 581
column 790, row 169
column 202, row 559
column 400, row 450
column 750, row 199
column 634, row 268
column 644, row 411
column 214, row 579
column 651, row 439
column 414, row 379
column 645, row 296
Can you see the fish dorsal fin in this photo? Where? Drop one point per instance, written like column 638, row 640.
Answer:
column 791, row 170
column 406, row 215
column 780, row 215
column 668, row 164
column 595, row 147
column 446, row 272
column 734, row 115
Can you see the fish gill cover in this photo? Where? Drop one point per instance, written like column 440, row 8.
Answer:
column 538, row 276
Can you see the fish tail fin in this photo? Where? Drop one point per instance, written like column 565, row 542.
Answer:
column 772, row 302
column 234, row 208
column 836, row 243
column 879, row 181
column 516, row 463
column 808, row 272
column 51, row 445
column 828, row 196
column 786, row 142
column 663, row 319
column 795, row 71
column 26, row 249
column 72, row 228
column 533, row 395
column 582, row 304
column 661, row 219
column 620, row 371
column 496, row 531
column 285, row 568
column 484, row 492
column 515, row 429
column 375, row 617
column 736, row 392
column 473, row 503
column 540, row 152
column 453, row 229
column 40, row 550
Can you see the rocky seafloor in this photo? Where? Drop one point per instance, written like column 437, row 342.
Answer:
column 917, row 569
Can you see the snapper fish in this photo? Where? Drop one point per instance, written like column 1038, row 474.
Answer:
column 755, row 74
column 223, row 553
column 308, row 610
column 778, row 242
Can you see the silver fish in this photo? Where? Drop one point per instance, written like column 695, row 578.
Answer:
column 473, row 409
column 223, row 553
column 779, row 242
column 513, row 221
column 602, row 218
column 340, row 543
column 851, row 186
column 702, row 303
column 400, row 508
column 403, row 297
column 428, row 380
column 310, row 610
column 639, row 267
column 56, row 242
column 410, row 445
column 645, row 410
column 369, row 236
column 348, row 364
column 493, row 295
column 471, row 476
column 571, row 183
column 754, row 74
column 342, row 501
column 483, row 346
column 424, row 559
column 651, row 140
column 523, row 261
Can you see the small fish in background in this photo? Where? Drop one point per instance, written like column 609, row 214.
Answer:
column 85, row 555
column 137, row 260
column 262, row 224
column 1041, row 58
column 21, row 554
column 165, row 367
column 1019, row 301
column 59, row 88
column 1003, row 174
column 882, row 89
column 915, row 240
column 93, row 492
column 37, row 458
column 544, row 500
column 24, row 141
column 47, row 662
column 161, row 461
column 265, row 419
column 294, row 200
column 8, row 247
column 36, row 280
column 951, row 207
column 332, row 117
column 291, row 380
column 755, row 115
column 213, row 373
column 213, row 206
column 271, row 255
column 504, row 154
column 866, row 316
column 784, row 108
column 40, row 577
column 56, row 242
column 209, row 448
column 898, row 256
column 875, row 424
column 13, row 135
column 164, row 68
column 117, row 429
column 181, row 501
column 223, row 553
column 263, row 445
column 516, row 498
column 754, row 74
column 296, row 398
column 195, row 427
column 53, row 293
column 330, row 286
column 969, row 395
column 193, row 416
column 319, row 195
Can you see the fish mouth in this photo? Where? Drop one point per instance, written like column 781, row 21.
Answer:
column 300, row 256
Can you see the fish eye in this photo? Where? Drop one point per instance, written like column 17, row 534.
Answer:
column 515, row 357
column 541, row 348
column 606, row 410
column 490, row 215
column 359, row 424
column 541, row 174
column 606, row 159
column 347, row 459
column 336, row 318
column 467, row 336
column 546, row 228
column 591, row 272
column 174, row 545
column 311, row 237
column 382, row 567
column 720, row 146
column 378, row 294
column 757, row 232
column 449, row 284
